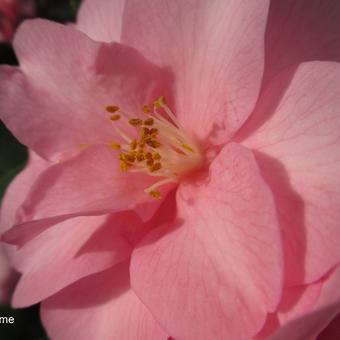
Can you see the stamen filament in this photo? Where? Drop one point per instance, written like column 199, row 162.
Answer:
column 157, row 146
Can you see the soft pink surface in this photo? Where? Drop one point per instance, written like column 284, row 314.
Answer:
column 214, row 50
column 302, row 139
column 101, row 20
column 195, row 274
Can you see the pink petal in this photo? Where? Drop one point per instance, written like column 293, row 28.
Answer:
column 101, row 20
column 70, row 251
column 215, row 50
column 217, row 271
column 89, row 184
column 21, row 184
column 300, row 31
column 60, row 100
column 101, row 306
column 300, row 159
column 310, row 325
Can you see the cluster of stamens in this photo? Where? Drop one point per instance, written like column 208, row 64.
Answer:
column 154, row 145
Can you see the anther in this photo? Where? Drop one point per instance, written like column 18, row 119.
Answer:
column 149, row 121
column 153, row 143
column 146, row 109
column 115, row 146
column 155, row 194
column 133, row 145
column 135, row 122
column 112, row 108
column 155, row 167
column 115, row 117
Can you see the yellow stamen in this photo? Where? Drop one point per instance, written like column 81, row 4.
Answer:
column 185, row 146
column 156, row 145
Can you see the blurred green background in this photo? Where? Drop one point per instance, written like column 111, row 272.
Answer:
column 13, row 157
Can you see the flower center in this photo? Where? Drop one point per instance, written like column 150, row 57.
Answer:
column 155, row 144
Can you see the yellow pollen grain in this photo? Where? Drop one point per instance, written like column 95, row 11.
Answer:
column 149, row 162
column 133, row 145
column 157, row 156
column 140, row 157
column 146, row 109
column 124, row 166
column 155, row 167
column 153, row 143
column 114, row 117
column 159, row 102
column 155, row 194
column 115, row 146
column 149, row 121
column 148, row 155
column 135, row 122
column 130, row 158
column 112, row 108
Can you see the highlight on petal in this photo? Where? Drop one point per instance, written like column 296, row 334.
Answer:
column 89, row 184
column 217, row 270
column 300, row 132
column 101, row 306
column 65, row 97
column 101, row 20
column 215, row 50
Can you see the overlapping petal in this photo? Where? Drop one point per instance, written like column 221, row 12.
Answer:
column 70, row 251
column 299, row 31
column 22, row 183
column 89, row 184
column 102, row 306
column 298, row 136
column 311, row 324
column 215, row 50
column 65, row 98
column 217, row 270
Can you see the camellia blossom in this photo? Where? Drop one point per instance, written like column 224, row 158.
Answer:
column 11, row 13
column 176, row 188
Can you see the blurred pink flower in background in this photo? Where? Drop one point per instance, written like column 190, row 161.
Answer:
column 240, row 240
column 11, row 13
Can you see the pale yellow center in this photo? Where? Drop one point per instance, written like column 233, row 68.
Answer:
column 155, row 144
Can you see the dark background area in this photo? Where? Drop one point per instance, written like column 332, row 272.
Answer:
column 13, row 157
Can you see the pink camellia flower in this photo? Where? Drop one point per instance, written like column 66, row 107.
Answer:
column 11, row 13
column 170, row 192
